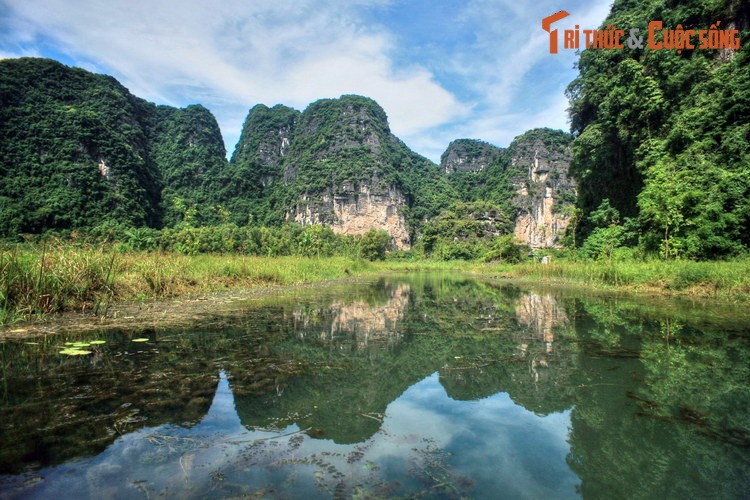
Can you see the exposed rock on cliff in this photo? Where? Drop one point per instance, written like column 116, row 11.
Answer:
column 354, row 212
column 343, row 158
column 527, row 185
column 255, row 174
column 539, row 162
column 78, row 150
column 337, row 164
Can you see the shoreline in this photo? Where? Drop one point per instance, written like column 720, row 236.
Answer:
column 214, row 308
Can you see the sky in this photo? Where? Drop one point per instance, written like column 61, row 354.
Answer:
column 441, row 69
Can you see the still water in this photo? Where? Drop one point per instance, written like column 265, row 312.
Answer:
column 425, row 386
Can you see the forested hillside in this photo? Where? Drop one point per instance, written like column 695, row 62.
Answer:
column 79, row 150
column 662, row 153
column 658, row 162
column 288, row 162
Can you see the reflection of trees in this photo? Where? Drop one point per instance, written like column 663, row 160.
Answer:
column 658, row 408
column 530, row 371
column 661, row 410
column 55, row 409
column 460, row 327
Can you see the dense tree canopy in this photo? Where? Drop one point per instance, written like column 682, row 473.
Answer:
column 79, row 150
column 664, row 137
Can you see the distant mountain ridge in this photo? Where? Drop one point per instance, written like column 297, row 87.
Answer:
column 79, row 150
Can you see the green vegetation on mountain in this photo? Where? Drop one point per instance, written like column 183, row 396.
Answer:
column 663, row 138
column 252, row 185
column 188, row 149
column 660, row 156
column 72, row 150
column 78, row 150
column 80, row 153
column 335, row 146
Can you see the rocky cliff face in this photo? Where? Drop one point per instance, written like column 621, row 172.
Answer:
column 539, row 162
column 524, row 189
column 337, row 163
column 344, row 181
column 352, row 211
column 78, row 150
column 468, row 155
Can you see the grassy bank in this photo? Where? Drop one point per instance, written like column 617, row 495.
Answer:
column 38, row 281
column 41, row 280
column 727, row 280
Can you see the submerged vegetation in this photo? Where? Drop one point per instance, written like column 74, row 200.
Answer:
column 301, row 392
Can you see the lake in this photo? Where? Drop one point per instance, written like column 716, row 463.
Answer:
column 417, row 386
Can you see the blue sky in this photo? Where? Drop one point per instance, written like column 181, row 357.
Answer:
column 441, row 69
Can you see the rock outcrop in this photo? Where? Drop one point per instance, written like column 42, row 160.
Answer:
column 337, row 163
column 78, row 150
column 354, row 211
column 545, row 193
column 351, row 135
column 524, row 188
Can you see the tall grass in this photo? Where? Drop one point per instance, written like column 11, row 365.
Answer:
column 40, row 280
column 53, row 279
column 729, row 279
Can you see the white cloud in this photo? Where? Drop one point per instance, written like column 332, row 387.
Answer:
column 237, row 54
column 234, row 54
column 508, row 73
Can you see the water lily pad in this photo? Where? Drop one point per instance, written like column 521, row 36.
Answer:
column 80, row 344
column 140, row 340
column 74, row 352
column 98, row 342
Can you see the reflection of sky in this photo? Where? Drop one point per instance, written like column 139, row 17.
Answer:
column 499, row 447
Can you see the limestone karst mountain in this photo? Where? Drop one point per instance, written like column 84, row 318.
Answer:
column 78, row 150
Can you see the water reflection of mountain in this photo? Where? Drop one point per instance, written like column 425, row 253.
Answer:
column 482, row 340
column 333, row 362
column 356, row 324
column 55, row 409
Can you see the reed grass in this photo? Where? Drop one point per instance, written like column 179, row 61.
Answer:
column 36, row 281
column 40, row 280
column 730, row 279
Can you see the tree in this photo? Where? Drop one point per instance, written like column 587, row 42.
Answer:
column 374, row 244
